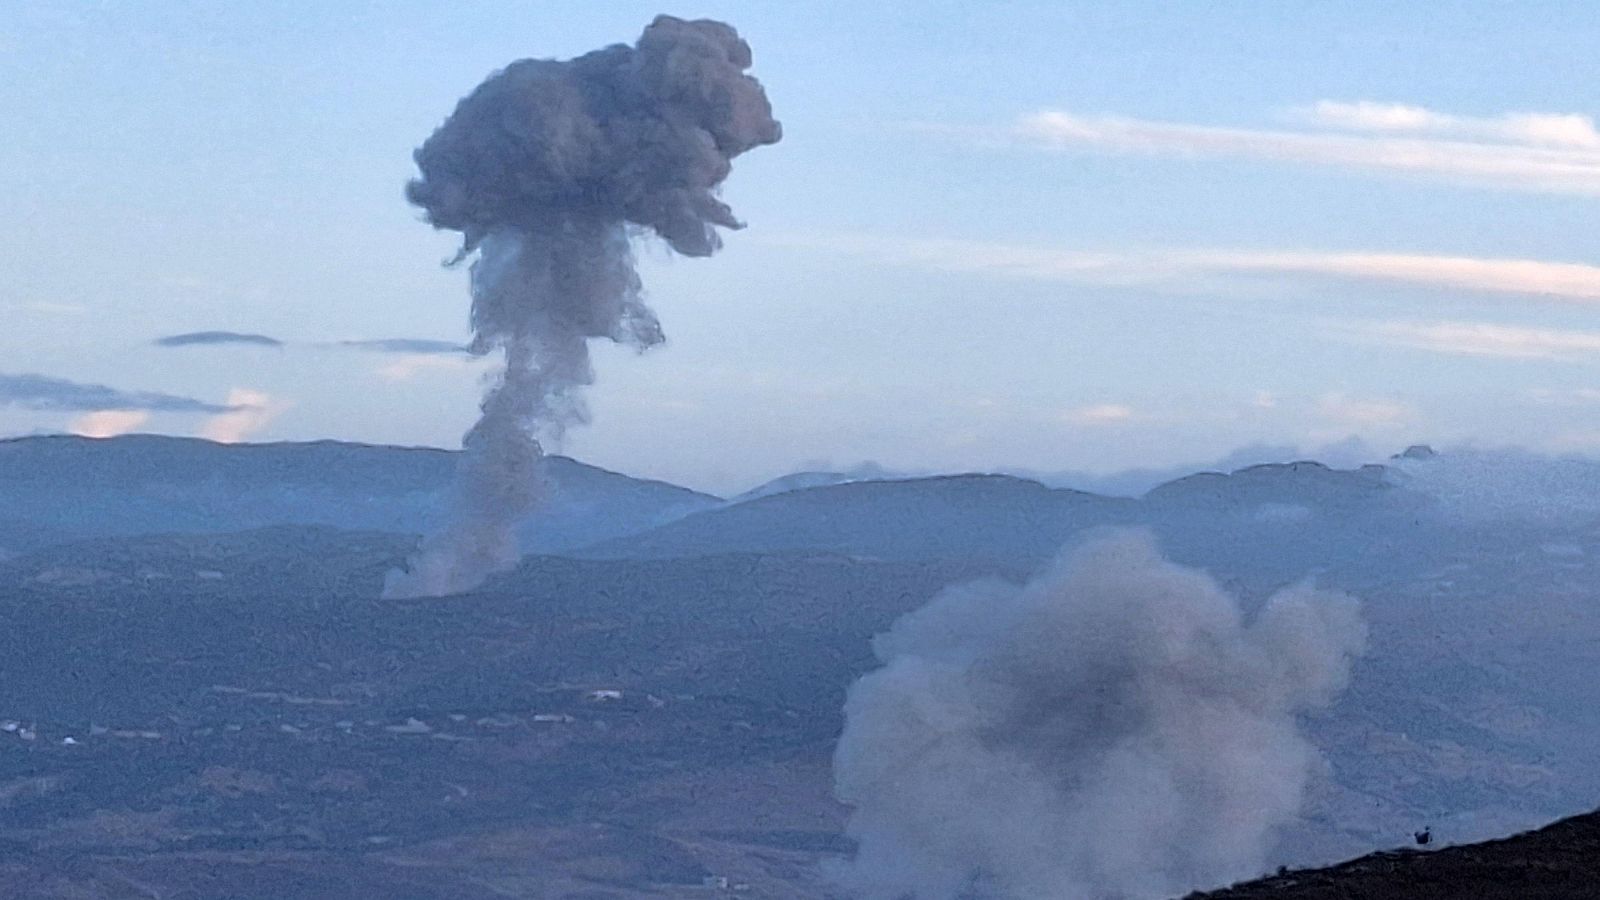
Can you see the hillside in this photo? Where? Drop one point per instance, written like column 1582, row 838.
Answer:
column 1306, row 482
column 239, row 716
column 1468, row 713
column 1560, row 861
column 235, row 712
column 65, row 487
column 1278, row 521
column 990, row 517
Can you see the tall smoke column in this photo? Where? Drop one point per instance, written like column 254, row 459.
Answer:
column 548, row 169
column 1116, row 728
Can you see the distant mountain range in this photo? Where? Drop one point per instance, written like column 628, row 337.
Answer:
column 55, row 489
column 59, row 488
column 956, row 516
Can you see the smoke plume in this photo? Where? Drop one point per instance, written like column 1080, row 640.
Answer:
column 1116, row 728
column 547, row 170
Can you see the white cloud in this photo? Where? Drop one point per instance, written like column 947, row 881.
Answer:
column 1099, row 414
column 1563, row 280
column 1561, row 161
column 1366, row 115
column 1576, row 281
column 1525, row 128
column 1489, row 339
column 253, row 411
column 104, row 423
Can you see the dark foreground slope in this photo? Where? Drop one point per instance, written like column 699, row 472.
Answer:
column 1558, row 862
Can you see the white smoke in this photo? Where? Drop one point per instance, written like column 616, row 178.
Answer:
column 1118, row 727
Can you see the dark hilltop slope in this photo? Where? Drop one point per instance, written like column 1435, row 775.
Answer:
column 1558, row 862
column 990, row 517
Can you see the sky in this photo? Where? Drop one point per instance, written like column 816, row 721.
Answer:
column 1037, row 236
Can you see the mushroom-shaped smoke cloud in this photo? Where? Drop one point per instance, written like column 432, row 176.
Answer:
column 547, row 169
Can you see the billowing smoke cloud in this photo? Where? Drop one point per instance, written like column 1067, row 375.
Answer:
column 1118, row 727
column 547, row 169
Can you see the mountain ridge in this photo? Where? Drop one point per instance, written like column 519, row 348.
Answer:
column 64, row 487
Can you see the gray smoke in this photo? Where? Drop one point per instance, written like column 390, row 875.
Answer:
column 1116, row 728
column 548, row 169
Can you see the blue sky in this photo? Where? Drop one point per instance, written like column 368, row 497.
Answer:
column 1032, row 235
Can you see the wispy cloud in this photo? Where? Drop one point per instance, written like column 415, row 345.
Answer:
column 42, row 392
column 376, row 345
column 1522, row 151
column 216, row 338
column 1489, row 339
column 409, row 366
column 1575, row 281
column 1526, row 128
column 105, row 423
column 406, row 345
column 249, row 411
column 1563, row 280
